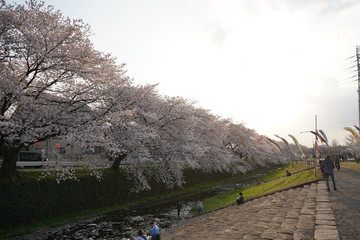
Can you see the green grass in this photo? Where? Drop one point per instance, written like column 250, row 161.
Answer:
column 351, row 165
column 258, row 190
column 280, row 172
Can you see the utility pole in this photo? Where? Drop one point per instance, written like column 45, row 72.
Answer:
column 316, row 145
column 358, row 67
column 315, row 125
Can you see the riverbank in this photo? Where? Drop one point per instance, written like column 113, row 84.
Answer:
column 22, row 199
column 166, row 202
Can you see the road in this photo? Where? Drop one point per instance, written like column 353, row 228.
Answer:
column 345, row 203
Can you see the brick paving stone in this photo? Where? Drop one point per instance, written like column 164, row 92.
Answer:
column 326, row 234
column 293, row 214
column 305, row 225
column 325, row 222
column 282, row 236
column 333, row 227
column 269, row 234
column 321, row 216
column 307, row 211
column 274, row 225
column 304, row 234
column 267, row 218
column 306, row 219
column 250, row 237
column 298, row 205
column 261, row 224
column 287, row 228
column 324, row 211
column 323, row 205
column 323, row 199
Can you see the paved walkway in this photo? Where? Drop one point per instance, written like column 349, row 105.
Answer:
column 299, row 213
column 346, row 203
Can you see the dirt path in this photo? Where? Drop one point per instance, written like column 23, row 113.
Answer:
column 346, row 203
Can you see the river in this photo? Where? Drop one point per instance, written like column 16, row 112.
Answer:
column 124, row 223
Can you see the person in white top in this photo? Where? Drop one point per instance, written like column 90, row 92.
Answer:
column 199, row 207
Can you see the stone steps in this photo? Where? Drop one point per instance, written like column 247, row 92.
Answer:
column 298, row 213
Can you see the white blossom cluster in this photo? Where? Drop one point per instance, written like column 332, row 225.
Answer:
column 61, row 174
column 98, row 174
column 353, row 146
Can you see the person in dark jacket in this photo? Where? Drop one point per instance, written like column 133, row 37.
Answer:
column 141, row 235
column 178, row 207
column 337, row 162
column 321, row 169
column 240, row 199
column 288, row 173
column 327, row 167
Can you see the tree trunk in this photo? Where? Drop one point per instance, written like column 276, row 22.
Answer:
column 117, row 161
column 8, row 169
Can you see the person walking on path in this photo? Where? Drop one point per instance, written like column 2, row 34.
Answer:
column 178, row 207
column 200, row 207
column 328, row 170
column 337, row 162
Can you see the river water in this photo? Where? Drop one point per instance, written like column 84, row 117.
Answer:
column 124, row 223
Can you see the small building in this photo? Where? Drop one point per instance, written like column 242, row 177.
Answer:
column 58, row 148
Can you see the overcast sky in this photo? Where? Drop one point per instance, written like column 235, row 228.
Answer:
column 269, row 64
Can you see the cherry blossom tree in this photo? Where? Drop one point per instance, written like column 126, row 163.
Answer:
column 177, row 144
column 169, row 134
column 156, row 131
column 54, row 83
column 52, row 80
column 124, row 132
column 256, row 150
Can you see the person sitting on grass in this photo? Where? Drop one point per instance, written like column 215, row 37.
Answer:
column 240, row 199
column 288, row 173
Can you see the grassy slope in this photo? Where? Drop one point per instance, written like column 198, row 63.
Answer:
column 265, row 188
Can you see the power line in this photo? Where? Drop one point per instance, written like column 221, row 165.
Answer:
column 340, row 81
column 336, row 64
column 337, row 73
column 334, row 71
column 358, row 68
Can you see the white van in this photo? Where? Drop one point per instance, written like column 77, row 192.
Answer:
column 30, row 159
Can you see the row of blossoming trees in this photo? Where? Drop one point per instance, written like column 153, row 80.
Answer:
column 54, row 83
